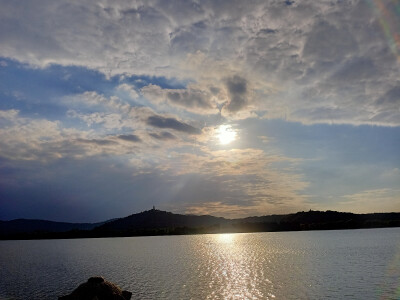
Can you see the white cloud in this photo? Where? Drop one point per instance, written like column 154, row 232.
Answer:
column 297, row 59
column 22, row 138
column 129, row 89
column 97, row 101
column 109, row 121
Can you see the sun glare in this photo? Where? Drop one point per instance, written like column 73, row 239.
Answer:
column 225, row 134
column 226, row 238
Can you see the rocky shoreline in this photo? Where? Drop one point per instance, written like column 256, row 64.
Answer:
column 97, row 288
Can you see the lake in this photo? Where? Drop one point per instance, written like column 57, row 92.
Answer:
column 343, row 264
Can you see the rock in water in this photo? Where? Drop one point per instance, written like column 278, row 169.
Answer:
column 96, row 288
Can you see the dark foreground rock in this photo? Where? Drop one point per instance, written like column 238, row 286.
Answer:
column 96, row 288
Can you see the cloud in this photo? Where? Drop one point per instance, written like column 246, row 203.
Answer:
column 163, row 122
column 99, row 142
column 129, row 89
column 237, row 89
column 74, row 190
column 39, row 139
column 8, row 116
column 184, row 180
column 236, row 178
column 230, row 96
column 391, row 99
column 374, row 200
column 274, row 55
column 218, row 208
column 97, row 45
column 108, row 121
column 93, row 100
column 327, row 43
column 198, row 100
column 23, row 138
column 108, row 113
column 130, row 138
column 164, row 135
column 142, row 87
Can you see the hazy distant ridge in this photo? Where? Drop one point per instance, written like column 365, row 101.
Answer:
column 28, row 225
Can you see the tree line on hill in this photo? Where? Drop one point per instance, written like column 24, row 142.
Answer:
column 157, row 222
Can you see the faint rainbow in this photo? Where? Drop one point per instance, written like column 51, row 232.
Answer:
column 388, row 12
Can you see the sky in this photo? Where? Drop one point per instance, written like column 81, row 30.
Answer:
column 228, row 108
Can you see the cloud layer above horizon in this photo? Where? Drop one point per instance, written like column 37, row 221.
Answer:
column 109, row 108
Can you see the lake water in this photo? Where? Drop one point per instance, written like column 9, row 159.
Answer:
column 347, row 264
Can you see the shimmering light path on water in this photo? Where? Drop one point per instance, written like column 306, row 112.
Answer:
column 351, row 264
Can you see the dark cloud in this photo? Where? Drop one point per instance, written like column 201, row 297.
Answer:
column 194, row 99
column 354, row 71
column 214, row 90
column 190, row 39
column 327, row 43
column 98, row 142
column 391, row 98
column 191, row 98
column 129, row 138
column 161, row 122
column 267, row 31
column 163, row 136
column 74, row 190
column 237, row 88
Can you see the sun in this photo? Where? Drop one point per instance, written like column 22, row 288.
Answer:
column 225, row 134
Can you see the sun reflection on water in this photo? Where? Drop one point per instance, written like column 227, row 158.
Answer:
column 234, row 274
column 226, row 237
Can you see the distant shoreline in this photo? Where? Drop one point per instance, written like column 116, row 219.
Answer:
column 159, row 223
column 51, row 236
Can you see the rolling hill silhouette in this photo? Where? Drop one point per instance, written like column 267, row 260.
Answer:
column 158, row 222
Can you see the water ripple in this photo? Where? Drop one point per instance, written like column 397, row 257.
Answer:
column 352, row 264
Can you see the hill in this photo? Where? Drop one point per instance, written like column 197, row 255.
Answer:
column 157, row 222
column 26, row 226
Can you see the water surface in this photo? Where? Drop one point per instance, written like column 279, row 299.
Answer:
column 347, row 264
